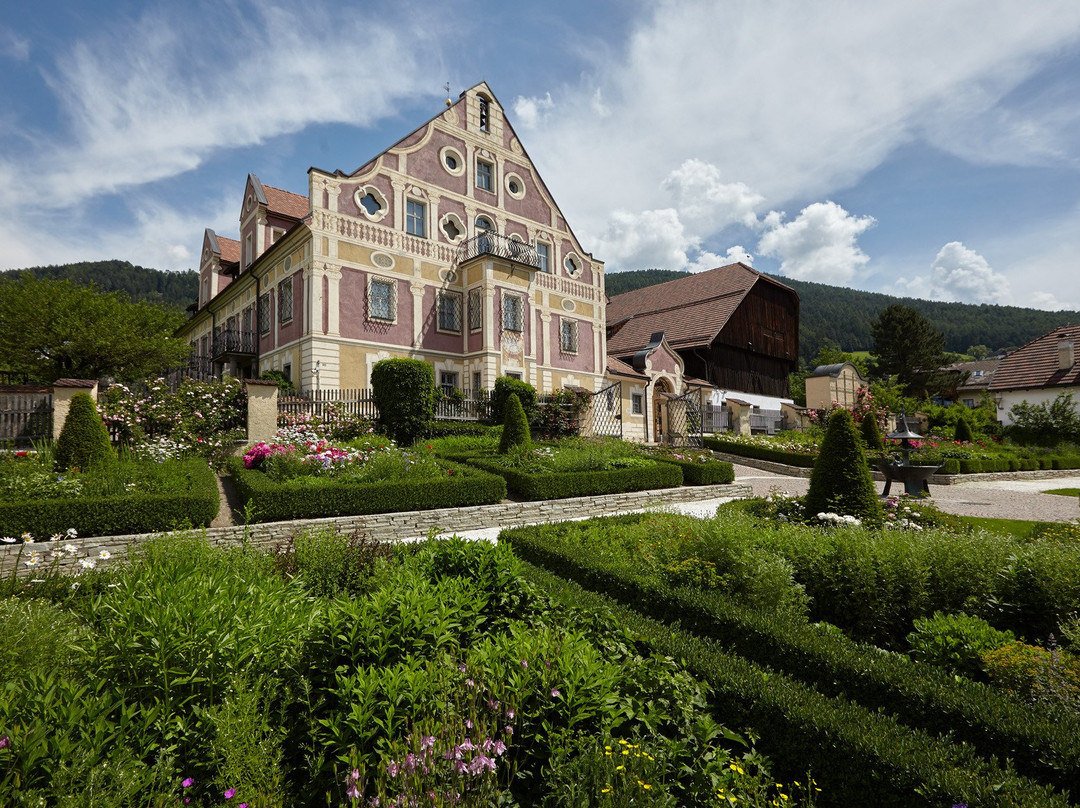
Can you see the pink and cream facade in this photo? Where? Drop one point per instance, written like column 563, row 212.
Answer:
column 447, row 247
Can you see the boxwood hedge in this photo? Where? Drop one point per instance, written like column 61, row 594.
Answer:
column 711, row 472
column 272, row 501
column 920, row 695
column 194, row 506
column 857, row 756
column 562, row 485
column 760, row 452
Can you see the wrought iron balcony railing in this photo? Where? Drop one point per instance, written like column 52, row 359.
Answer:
column 500, row 246
column 233, row 341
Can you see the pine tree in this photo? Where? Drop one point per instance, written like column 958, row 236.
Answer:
column 84, row 440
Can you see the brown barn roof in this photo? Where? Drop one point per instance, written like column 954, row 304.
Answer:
column 286, row 203
column 1035, row 365
column 690, row 311
column 620, row 368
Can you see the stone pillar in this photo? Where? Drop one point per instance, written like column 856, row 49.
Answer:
column 63, row 390
column 262, row 410
column 740, row 416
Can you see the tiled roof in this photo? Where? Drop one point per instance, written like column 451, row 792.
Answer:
column 979, row 372
column 286, row 202
column 230, row 250
column 621, row 368
column 1035, row 365
column 690, row 311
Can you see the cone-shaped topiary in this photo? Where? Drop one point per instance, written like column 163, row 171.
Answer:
column 963, row 431
column 841, row 482
column 871, row 433
column 515, row 425
column 84, row 440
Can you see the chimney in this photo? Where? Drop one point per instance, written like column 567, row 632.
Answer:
column 1066, row 354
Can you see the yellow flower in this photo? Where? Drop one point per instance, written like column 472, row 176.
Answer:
column 606, row 790
column 619, row 768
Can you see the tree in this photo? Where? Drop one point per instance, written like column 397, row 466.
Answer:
column 906, row 346
column 978, row 352
column 1046, row 424
column 52, row 329
column 84, row 439
column 515, row 425
column 840, row 481
column 404, row 392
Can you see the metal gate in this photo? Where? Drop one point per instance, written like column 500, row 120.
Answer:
column 686, row 419
column 603, row 418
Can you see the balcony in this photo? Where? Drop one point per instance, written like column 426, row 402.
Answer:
column 499, row 246
column 231, row 342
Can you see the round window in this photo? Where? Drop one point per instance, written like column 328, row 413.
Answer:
column 451, row 162
column 514, row 187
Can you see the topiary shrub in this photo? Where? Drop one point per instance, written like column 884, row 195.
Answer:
column 841, row 482
column 504, row 388
column 515, row 425
column 963, row 431
column 871, row 433
column 404, row 392
column 84, row 440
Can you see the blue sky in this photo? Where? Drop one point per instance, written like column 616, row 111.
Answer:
column 913, row 147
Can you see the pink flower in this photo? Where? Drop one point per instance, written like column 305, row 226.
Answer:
column 188, row 783
column 230, row 793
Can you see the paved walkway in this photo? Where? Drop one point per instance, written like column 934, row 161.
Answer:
column 1000, row 499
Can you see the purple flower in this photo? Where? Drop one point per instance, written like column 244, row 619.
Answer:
column 554, row 693
column 188, row 783
column 480, row 763
column 524, row 664
column 469, row 682
column 468, row 723
column 427, row 741
column 5, row 741
column 230, row 793
column 510, row 714
column 508, row 729
column 499, row 747
column 392, row 768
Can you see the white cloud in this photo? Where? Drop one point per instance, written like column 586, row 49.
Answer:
column 532, row 112
column 707, row 203
column 156, row 97
column 796, row 102
column 13, row 46
column 820, row 244
column 1051, row 302
column 959, row 274
column 646, row 240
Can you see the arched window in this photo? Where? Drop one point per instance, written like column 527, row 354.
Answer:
column 485, row 114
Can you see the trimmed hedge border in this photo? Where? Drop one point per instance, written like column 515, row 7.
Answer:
column 858, row 756
column 195, row 506
column 950, row 465
column 805, row 461
column 919, row 694
column 275, row 502
column 584, row 483
column 711, row 472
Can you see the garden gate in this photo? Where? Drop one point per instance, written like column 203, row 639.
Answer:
column 686, row 419
column 25, row 415
column 603, row 418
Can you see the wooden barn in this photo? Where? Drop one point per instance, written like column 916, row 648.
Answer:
column 733, row 327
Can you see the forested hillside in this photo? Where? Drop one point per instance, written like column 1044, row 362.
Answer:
column 844, row 315
column 176, row 289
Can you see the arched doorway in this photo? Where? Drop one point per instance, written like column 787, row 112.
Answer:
column 661, row 391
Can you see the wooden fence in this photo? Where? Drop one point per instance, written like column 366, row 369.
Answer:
column 26, row 413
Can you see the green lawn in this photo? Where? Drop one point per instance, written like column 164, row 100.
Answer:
column 1065, row 492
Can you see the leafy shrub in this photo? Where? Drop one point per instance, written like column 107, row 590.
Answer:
column 506, row 386
column 453, row 429
column 871, row 434
column 284, row 383
column 404, row 392
column 1049, row 423
column 329, row 563
column 559, row 416
column 712, row 472
column 956, row 642
column 841, row 481
column 84, row 440
column 801, row 459
column 963, row 431
column 635, row 474
column 1048, row 677
column 515, row 425
column 38, row 636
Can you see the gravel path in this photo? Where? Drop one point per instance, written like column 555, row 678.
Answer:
column 1000, row 499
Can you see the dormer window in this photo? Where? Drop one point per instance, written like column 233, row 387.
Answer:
column 485, row 115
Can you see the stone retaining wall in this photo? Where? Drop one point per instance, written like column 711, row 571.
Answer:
column 392, row 526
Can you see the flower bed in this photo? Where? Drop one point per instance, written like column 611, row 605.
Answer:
column 698, row 467
column 310, row 478
column 342, row 672
column 132, row 497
